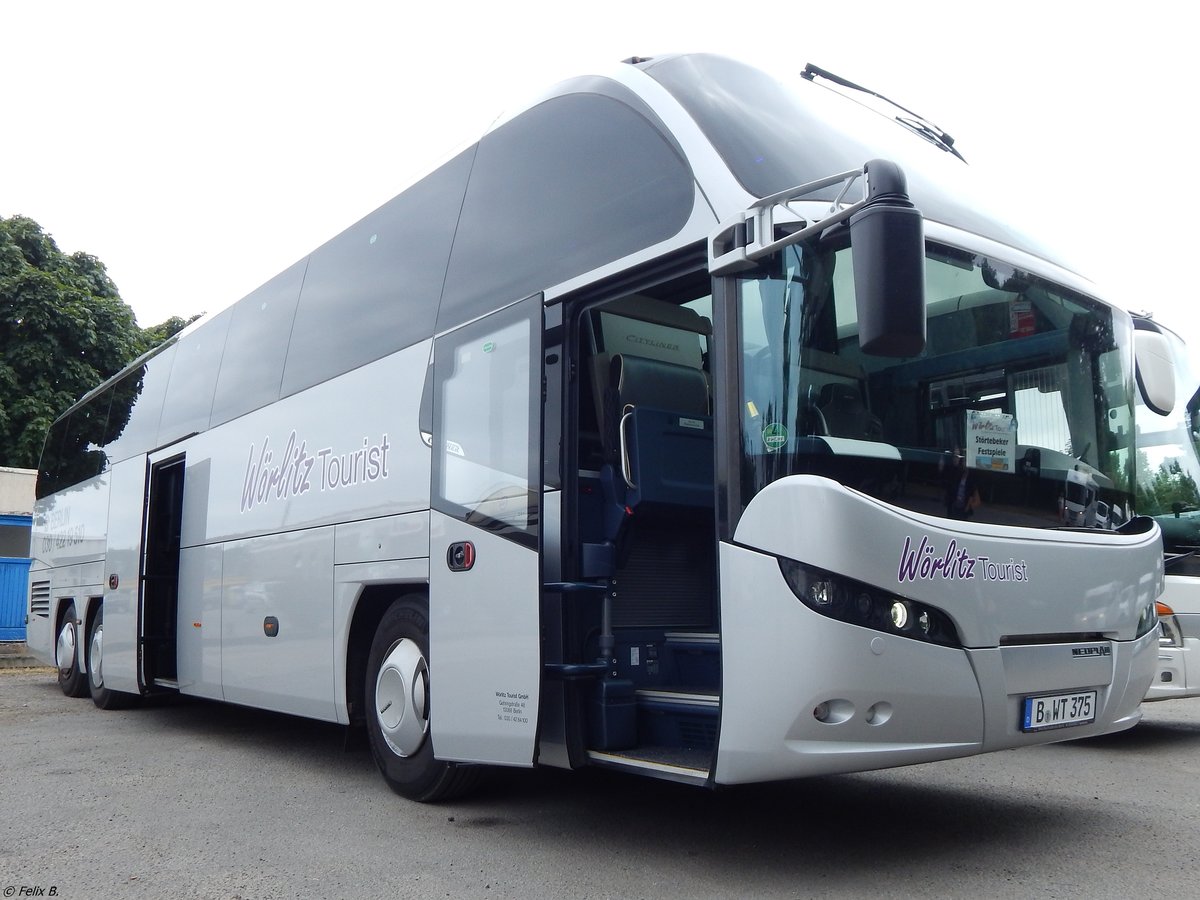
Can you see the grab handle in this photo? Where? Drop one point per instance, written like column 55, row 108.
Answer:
column 625, row 464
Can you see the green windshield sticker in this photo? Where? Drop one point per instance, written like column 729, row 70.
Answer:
column 774, row 436
column 489, row 347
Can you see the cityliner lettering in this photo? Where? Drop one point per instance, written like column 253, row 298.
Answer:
column 650, row 342
column 295, row 471
column 925, row 563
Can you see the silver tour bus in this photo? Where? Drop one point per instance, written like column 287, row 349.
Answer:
column 689, row 423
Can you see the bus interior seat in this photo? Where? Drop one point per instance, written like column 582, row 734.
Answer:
column 638, row 381
column 644, row 327
column 845, row 414
column 647, row 358
column 659, row 427
column 659, row 432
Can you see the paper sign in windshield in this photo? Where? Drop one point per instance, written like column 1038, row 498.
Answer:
column 991, row 441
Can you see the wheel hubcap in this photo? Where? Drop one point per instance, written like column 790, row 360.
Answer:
column 65, row 649
column 402, row 698
column 96, row 657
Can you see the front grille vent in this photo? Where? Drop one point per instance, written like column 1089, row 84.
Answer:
column 1082, row 637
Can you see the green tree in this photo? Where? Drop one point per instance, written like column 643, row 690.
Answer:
column 154, row 335
column 1173, row 487
column 63, row 330
column 1162, row 491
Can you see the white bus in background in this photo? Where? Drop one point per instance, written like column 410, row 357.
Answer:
column 627, row 438
column 1169, row 490
column 1080, row 502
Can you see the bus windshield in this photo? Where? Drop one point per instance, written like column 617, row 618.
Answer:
column 1018, row 412
column 774, row 135
column 1168, row 467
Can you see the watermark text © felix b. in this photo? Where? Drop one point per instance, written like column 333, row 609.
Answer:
column 31, row 890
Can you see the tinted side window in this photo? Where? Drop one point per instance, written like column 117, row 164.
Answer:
column 374, row 288
column 252, row 364
column 74, row 450
column 137, row 406
column 189, row 400
column 51, row 463
column 571, row 184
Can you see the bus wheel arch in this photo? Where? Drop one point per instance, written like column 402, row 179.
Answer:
column 372, row 603
column 71, row 678
column 396, row 689
column 102, row 696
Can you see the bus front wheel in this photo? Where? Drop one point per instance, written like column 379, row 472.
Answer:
column 397, row 691
column 71, row 677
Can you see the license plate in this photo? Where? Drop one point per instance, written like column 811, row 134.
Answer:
column 1059, row 711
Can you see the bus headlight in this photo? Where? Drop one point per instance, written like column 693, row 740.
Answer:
column 856, row 603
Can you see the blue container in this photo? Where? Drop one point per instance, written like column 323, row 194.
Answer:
column 14, row 596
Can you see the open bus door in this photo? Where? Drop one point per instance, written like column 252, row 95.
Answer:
column 160, row 572
column 485, row 538
column 123, row 562
column 132, row 635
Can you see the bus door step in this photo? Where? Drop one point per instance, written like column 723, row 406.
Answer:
column 667, row 763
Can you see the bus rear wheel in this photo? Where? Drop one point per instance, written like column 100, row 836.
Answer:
column 397, row 692
column 71, row 677
column 102, row 696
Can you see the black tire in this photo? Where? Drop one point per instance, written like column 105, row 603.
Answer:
column 71, row 677
column 103, row 697
column 397, row 708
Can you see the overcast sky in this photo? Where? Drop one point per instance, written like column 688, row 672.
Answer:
column 198, row 149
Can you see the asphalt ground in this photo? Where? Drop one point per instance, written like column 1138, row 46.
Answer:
column 187, row 798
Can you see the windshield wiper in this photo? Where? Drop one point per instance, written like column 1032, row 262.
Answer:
column 912, row 121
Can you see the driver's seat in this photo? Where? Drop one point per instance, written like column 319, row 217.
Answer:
column 845, row 414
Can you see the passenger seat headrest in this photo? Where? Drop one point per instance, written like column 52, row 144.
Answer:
column 838, row 394
column 659, row 385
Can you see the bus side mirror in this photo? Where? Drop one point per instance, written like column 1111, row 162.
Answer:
column 888, row 242
column 1155, row 371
